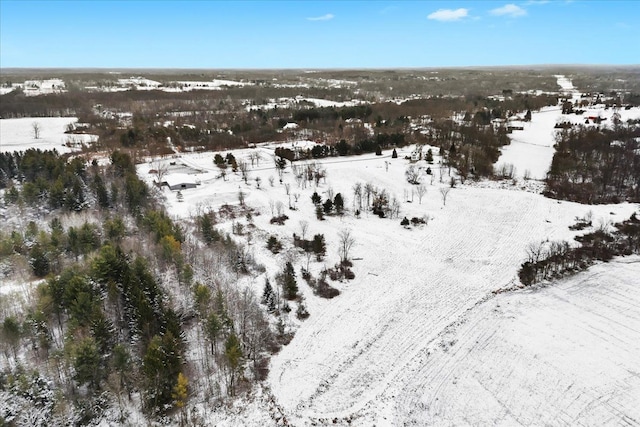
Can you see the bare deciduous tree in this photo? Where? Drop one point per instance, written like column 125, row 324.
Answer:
column 421, row 190
column 279, row 207
column 244, row 170
column 346, row 242
column 357, row 196
column 255, row 158
column 413, row 174
column 368, row 191
column 304, row 226
column 444, row 192
column 161, row 169
column 35, row 126
column 271, row 180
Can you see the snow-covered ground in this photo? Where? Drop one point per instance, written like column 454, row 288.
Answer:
column 18, row 134
column 531, row 149
column 420, row 336
column 411, row 339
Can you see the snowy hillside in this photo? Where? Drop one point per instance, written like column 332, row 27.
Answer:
column 399, row 344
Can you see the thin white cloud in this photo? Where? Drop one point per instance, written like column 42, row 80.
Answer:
column 449, row 14
column 536, row 2
column 327, row 17
column 509, row 10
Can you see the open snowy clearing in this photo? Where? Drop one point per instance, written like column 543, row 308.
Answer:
column 17, row 134
column 566, row 354
column 381, row 352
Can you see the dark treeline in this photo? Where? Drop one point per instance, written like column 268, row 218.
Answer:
column 596, row 165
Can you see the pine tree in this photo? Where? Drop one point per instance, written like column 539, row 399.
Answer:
column 289, row 284
column 268, row 297
column 327, row 206
column 209, row 234
column 39, row 261
column 394, row 154
column 87, row 363
column 319, row 246
column 315, row 198
column 11, row 333
column 101, row 192
column 338, row 203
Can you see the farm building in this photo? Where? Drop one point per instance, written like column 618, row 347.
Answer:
column 179, row 181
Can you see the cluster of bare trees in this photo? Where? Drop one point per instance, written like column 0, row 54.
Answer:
column 547, row 260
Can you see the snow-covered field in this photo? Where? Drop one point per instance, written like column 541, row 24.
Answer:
column 18, row 135
column 421, row 336
column 566, row 354
column 418, row 337
column 532, row 149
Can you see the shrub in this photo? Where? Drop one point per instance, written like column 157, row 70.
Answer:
column 279, row 219
column 274, row 245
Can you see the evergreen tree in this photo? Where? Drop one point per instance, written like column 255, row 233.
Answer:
column 114, row 229
column 39, row 260
column 338, row 204
column 87, row 363
column 378, row 150
column 289, row 284
column 11, row 333
column 315, row 198
column 327, row 206
column 209, row 234
column 319, row 246
column 161, row 365
column 394, row 154
column 268, row 297
column 101, row 192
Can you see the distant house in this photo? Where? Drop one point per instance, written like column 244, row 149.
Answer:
column 179, row 181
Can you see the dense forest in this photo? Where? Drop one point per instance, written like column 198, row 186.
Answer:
column 596, row 165
column 132, row 309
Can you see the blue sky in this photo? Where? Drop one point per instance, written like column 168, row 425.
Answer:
column 316, row 34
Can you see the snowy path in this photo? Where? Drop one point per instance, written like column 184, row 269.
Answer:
column 531, row 150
